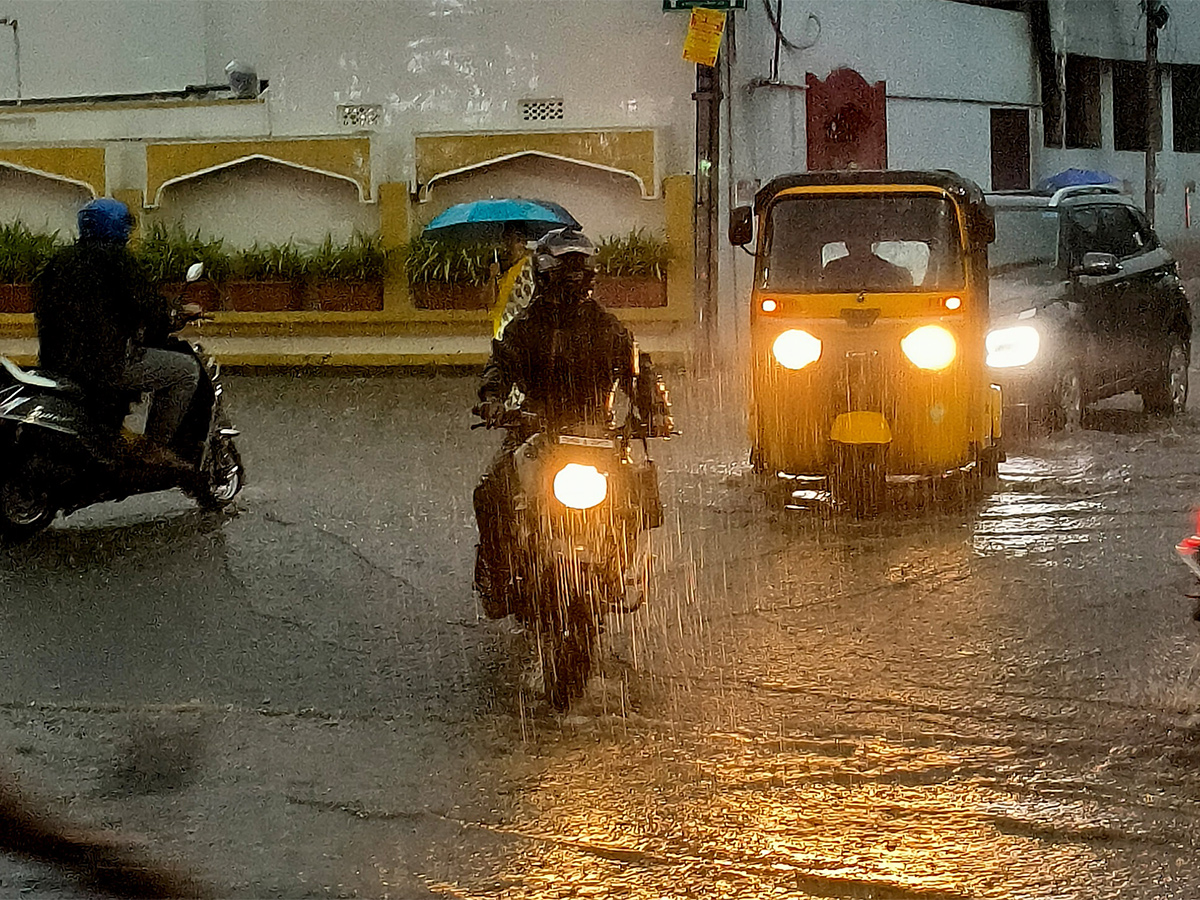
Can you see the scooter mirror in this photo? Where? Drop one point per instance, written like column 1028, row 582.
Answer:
column 195, row 270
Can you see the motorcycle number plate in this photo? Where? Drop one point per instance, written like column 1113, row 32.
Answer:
column 577, row 441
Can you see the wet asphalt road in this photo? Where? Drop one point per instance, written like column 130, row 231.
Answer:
column 302, row 701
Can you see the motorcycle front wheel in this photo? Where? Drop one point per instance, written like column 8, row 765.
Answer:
column 568, row 633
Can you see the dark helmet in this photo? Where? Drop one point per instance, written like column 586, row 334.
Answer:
column 565, row 258
column 106, row 219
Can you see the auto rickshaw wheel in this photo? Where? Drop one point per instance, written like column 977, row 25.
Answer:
column 858, row 482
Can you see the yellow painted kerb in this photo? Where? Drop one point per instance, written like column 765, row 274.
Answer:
column 83, row 166
column 346, row 158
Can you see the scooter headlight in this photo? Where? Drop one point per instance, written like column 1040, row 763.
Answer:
column 579, row 486
column 930, row 347
column 795, row 349
column 1011, row 347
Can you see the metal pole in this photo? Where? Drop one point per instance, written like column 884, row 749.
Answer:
column 708, row 124
column 1155, row 19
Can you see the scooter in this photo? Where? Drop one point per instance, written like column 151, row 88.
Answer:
column 58, row 456
column 586, row 497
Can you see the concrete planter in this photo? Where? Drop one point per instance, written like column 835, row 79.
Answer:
column 202, row 293
column 629, row 292
column 260, row 296
column 16, row 298
column 437, row 295
column 349, row 296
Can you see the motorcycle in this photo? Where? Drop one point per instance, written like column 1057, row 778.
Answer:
column 586, row 498
column 57, row 455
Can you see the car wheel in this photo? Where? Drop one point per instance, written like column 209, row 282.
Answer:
column 1066, row 404
column 1167, row 394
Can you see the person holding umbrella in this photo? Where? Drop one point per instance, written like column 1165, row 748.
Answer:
column 509, row 223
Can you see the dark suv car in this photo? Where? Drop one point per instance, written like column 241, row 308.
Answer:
column 1085, row 304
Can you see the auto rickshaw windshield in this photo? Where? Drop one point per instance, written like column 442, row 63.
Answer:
column 866, row 242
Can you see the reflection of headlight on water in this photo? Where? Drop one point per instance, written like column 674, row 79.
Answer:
column 579, row 486
column 1010, row 347
column 795, row 349
column 930, row 347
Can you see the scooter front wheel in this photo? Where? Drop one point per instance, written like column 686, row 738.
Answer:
column 223, row 478
column 25, row 507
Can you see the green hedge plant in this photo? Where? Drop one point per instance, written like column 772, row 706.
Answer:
column 635, row 255
column 23, row 252
column 363, row 258
column 428, row 261
column 167, row 252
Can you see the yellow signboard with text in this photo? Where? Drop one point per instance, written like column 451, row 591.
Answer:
column 704, row 36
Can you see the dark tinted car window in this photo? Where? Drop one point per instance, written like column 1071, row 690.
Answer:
column 1025, row 237
column 1105, row 229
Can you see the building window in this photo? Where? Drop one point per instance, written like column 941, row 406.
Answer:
column 1010, row 150
column 1129, row 106
column 1185, row 106
column 1079, row 124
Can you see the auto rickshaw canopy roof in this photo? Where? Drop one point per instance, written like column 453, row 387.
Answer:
column 980, row 224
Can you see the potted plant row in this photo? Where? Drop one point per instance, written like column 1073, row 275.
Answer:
column 272, row 277
column 446, row 275
column 632, row 270
column 23, row 252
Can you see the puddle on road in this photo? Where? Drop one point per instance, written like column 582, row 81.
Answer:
column 1043, row 504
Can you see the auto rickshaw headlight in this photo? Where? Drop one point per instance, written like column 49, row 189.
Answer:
column 930, row 347
column 795, row 349
column 1011, row 347
column 579, row 486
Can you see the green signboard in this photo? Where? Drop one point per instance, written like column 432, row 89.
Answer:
column 704, row 4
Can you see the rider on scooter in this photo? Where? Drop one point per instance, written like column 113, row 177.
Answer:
column 560, row 356
column 94, row 306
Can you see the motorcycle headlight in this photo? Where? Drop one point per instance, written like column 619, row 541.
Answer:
column 580, row 487
column 930, row 347
column 1010, row 347
column 796, row 349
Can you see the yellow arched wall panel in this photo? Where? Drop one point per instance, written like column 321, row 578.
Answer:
column 629, row 153
column 347, row 158
column 77, row 165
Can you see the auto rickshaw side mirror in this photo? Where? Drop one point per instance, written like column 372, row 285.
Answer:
column 1097, row 264
column 741, row 226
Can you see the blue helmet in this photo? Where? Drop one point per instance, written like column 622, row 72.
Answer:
column 106, row 219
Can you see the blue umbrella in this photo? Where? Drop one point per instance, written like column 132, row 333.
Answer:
column 482, row 219
column 1072, row 177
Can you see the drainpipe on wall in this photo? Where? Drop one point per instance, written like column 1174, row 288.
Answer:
column 12, row 23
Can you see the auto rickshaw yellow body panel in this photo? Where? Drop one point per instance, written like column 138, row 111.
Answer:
column 875, row 340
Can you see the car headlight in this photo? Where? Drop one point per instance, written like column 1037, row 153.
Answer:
column 796, row 349
column 930, row 347
column 579, row 486
column 1010, row 347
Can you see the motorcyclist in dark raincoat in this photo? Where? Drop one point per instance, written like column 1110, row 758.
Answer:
column 94, row 307
column 560, row 356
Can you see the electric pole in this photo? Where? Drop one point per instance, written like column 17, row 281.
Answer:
column 1156, row 13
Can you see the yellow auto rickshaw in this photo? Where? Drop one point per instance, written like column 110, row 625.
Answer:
column 868, row 317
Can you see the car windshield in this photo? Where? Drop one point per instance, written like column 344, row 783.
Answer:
column 1025, row 237
column 863, row 243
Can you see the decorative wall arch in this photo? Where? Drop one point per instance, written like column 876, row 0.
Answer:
column 629, row 153
column 347, row 159
column 82, row 166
